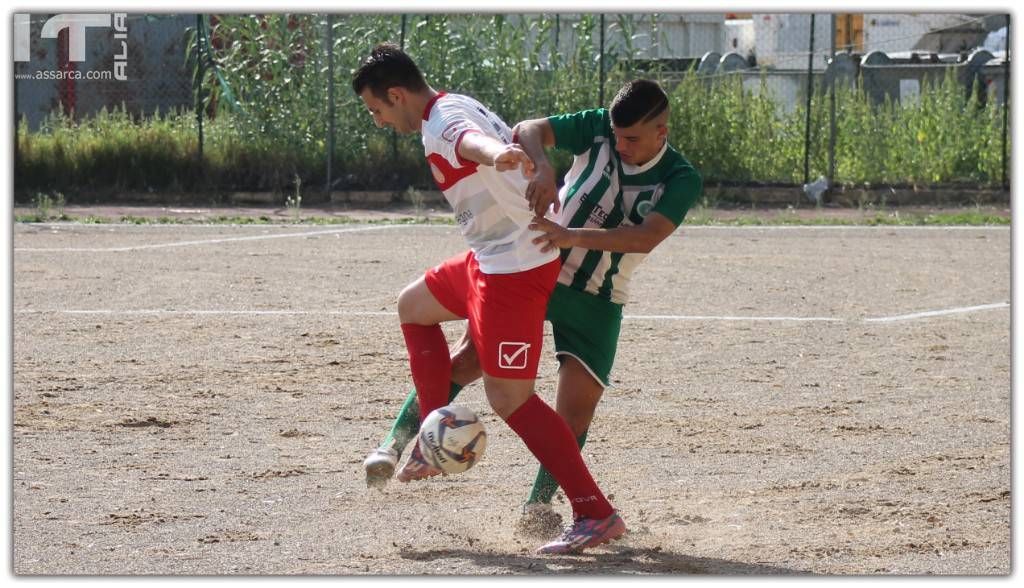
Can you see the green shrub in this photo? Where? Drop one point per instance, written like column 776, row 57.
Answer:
column 275, row 137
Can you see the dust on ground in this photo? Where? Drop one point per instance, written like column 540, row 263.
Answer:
column 198, row 400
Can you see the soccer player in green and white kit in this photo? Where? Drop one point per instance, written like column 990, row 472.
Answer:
column 627, row 190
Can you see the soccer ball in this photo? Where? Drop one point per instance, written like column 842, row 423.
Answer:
column 452, row 439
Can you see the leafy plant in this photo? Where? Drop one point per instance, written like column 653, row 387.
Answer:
column 263, row 87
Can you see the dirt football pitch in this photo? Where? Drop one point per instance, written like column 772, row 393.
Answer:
column 199, row 399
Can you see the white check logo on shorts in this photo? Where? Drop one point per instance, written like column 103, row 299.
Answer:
column 512, row 355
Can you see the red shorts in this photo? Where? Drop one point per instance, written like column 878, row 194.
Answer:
column 505, row 311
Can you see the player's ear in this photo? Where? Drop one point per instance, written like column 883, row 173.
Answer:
column 662, row 131
column 396, row 95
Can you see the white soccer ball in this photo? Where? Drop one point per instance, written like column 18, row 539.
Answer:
column 452, row 439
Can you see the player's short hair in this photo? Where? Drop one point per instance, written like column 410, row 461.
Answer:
column 638, row 101
column 387, row 67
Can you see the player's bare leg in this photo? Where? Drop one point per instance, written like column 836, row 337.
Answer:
column 417, row 305
column 577, row 395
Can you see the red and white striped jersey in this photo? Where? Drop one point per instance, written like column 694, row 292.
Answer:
column 490, row 206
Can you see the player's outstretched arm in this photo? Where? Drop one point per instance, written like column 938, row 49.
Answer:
column 642, row 238
column 492, row 152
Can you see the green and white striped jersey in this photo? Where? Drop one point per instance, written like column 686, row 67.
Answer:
column 601, row 191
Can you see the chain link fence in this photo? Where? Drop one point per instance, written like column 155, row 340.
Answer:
column 236, row 103
column 157, row 79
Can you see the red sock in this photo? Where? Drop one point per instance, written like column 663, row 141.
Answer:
column 431, row 365
column 551, row 441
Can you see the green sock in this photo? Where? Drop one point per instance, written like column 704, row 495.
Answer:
column 407, row 424
column 545, row 486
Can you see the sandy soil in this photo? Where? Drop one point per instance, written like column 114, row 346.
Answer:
column 198, row 400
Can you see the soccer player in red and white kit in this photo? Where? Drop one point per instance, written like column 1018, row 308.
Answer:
column 501, row 285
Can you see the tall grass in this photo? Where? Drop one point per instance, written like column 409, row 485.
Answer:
column 109, row 151
column 277, row 138
column 736, row 134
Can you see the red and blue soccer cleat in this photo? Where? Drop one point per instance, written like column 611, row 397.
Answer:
column 416, row 467
column 586, row 533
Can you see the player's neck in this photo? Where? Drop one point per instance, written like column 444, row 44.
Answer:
column 656, row 153
column 418, row 102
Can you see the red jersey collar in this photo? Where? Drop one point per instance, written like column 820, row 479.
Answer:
column 426, row 111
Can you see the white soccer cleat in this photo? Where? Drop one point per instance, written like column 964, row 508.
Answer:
column 380, row 466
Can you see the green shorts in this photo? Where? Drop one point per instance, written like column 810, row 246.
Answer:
column 585, row 327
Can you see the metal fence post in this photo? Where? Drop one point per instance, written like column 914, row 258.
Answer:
column 832, row 130
column 553, row 64
column 16, row 119
column 330, row 102
column 1006, row 100
column 558, row 22
column 810, row 91
column 197, row 80
column 600, row 99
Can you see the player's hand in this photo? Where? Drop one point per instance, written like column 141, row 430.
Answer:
column 513, row 156
column 553, row 235
column 541, row 191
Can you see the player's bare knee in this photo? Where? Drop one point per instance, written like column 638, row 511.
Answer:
column 506, row 399
column 409, row 304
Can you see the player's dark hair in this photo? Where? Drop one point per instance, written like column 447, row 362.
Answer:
column 638, row 101
column 387, row 67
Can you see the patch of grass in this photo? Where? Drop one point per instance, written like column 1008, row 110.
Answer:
column 48, row 207
column 732, row 131
column 136, row 220
column 965, row 218
column 232, row 220
column 698, row 217
column 970, row 218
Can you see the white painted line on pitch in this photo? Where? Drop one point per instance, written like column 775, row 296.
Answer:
column 397, row 226
column 393, row 313
column 112, row 226
column 637, row 317
column 161, row 312
column 673, row 317
column 164, row 312
column 212, row 241
column 686, row 227
column 931, row 313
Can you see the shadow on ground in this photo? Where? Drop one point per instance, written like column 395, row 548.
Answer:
column 616, row 560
